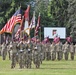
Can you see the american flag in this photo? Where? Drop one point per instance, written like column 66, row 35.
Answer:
column 18, row 32
column 38, row 26
column 17, row 35
column 16, row 18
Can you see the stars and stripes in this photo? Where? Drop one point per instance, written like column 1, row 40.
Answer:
column 18, row 32
column 16, row 18
column 17, row 35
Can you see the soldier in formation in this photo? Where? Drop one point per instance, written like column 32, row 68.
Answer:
column 47, row 51
column 53, row 51
column 14, row 53
column 23, row 53
column 36, row 56
column 28, row 55
column 59, row 50
column 72, row 51
column 4, row 50
column 66, row 50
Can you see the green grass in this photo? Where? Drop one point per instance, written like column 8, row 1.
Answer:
column 47, row 68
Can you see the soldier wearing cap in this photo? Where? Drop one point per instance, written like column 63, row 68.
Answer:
column 59, row 50
column 36, row 56
column 28, row 55
column 21, row 54
column 14, row 52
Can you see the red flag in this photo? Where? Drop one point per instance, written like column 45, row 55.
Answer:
column 26, row 14
column 16, row 18
column 38, row 26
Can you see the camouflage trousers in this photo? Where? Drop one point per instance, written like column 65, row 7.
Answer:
column 13, row 64
column 48, row 56
column 59, row 55
column 37, row 63
column 4, row 53
column 21, row 60
column 53, row 55
column 66, row 54
column 72, row 55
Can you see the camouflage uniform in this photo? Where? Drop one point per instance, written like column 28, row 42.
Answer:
column 21, row 54
column 59, row 50
column 36, row 57
column 72, row 51
column 65, row 49
column 43, row 51
column 39, row 45
column 53, row 51
column 28, row 56
column 4, row 51
column 10, row 46
column 48, row 55
column 14, row 52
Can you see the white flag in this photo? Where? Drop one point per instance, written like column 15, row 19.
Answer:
column 32, row 24
column 26, row 27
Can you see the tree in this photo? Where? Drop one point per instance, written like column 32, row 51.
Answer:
column 58, row 11
column 8, row 8
column 41, row 6
column 72, row 18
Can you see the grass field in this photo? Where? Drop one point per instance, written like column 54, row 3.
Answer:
column 47, row 68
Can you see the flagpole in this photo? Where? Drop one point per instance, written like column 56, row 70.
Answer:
column 40, row 34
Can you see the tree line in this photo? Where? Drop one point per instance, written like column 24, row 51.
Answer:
column 54, row 13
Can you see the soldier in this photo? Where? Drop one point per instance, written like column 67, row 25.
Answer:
column 65, row 49
column 28, row 55
column 10, row 46
column 4, row 51
column 21, row 54
column 28, row 58
column 53, row 51
column 36, row 56
column 14, row 52
column 48, row 55
column 72, row 51
column 59, row 50
column 40, row 51
column 43, row 51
